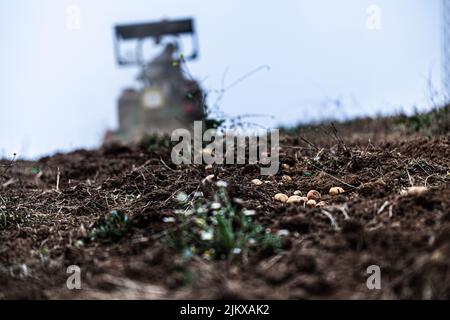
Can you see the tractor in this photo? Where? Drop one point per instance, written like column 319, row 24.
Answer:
column 168, row 98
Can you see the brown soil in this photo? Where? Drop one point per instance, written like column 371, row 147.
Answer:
column 407, row 236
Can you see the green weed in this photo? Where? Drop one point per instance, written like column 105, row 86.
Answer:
column 111, row 229
column 155, row 142
column 217, row 229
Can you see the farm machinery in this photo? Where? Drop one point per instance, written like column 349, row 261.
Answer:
column 167, row 98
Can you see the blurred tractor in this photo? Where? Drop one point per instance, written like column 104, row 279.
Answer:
column 168, row 98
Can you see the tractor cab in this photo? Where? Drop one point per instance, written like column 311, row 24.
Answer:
column 168, row 98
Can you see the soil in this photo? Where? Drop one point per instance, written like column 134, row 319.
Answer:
column 48, row 206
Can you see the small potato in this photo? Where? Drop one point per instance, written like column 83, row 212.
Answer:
column 208, row 179
column 297, row 199
column 416, row 191
column 335, row 191
column 209, row 167
column 314, row 195
column 281, row 197
column 311, row 203
column 257, row 182
column 82, row 231
column 297, row 193
column 286, row 178
column 321, row 204
column 285, row 166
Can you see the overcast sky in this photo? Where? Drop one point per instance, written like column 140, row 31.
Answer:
column 59, row 86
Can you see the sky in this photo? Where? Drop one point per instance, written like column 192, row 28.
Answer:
column 328, row 59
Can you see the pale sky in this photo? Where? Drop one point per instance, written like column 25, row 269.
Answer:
column 59, row 87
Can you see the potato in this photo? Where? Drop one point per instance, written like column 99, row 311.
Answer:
column 335, row 191
column 321, row 204
column 297, row 193
column 416, row 191
column 281, row 197
column 297, row 199
column 208, row 179
column 311, row 203
column 286, row 178
column 314, row 195
column 257, row 182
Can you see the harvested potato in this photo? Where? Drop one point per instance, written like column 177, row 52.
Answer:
column 321, row 204
column 257, row 182
column 209, row 178
column 297, row 193
column 286, row 178
column 311, row 203
column 335, row 191
column 82, row 231
column 416, row 191
column 314, row 195
column 297, row 199
column 209, row 167
column 281, row 197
